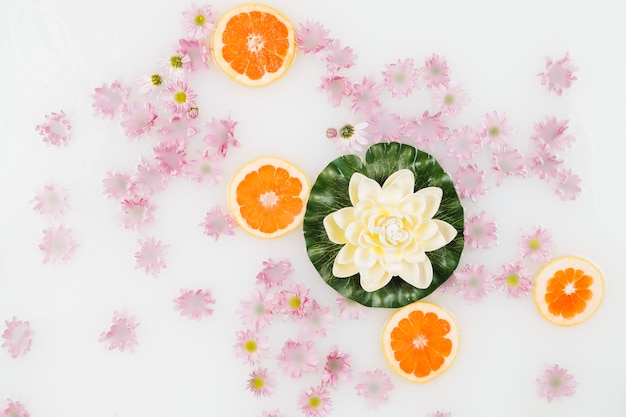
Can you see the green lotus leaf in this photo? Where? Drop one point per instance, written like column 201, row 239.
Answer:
column 330, row 193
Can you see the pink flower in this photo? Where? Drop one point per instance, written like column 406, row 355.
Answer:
column 463, row 143
column 116, row 184
column 473, row 282
column 150, row 83
column 507, row 162
column 149, row 178
column 311, row 37
column 178, row 68
column 385, row 127
column 199, row 21
column 56, row 129
column 194, row 304
column 535, row 244
column 275, row 413
column 274, row 273
column 179, row 97
column 350, row 308
column 315, row 402
column 293, row 302
column 261, row 383
column 137, row 212
column 495, row 131
column 556, row 382
column 297, row 358
column 550, row 135
column 52, row 201
column 568, row 185
column 337, row 368
column 469, row 182
column 257, row 311
column 374, row 386
column 172, row 157
column 14, row 409
column 196, row 51
column 221, row 135
column 449, row 99
column 138, row 119
column 121, row 335
column 338, row 57
column 179, row 129
column 203, row 169
column 435, row 71
column 427, row 130
column 336, row 87
column 250, row 347
column 401, row 78
column 366, row 96
column 217, row 223
column 352, row 138
column 480, row 231
column 317, row 321
column 58, row 244
column 151, row 255
column 544, row 164
column 440, row 414
column 513, row 279
column 108, row 100
column 559, row 75
column 18, row 337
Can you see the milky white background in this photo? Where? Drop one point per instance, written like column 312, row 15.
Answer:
column 54, row 53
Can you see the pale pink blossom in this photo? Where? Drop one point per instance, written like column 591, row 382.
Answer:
column 221, row 135
column 256, row 311
column 121, row 335
column 374, row 387
column 261, row 383
column 274, row 273
column 428, row 129
column 473, row 282
column 350, row 308
column 194, row 304
column 315, row 402
column 58, row 244
column 56, row 129
column 179, row 97
column 385, row 127
column 550, row 135
column 567, row 185
column 558, row 75
column 177, row 67
column 204, row 168
column 469, row 182
column 544, row 164
column 197, row 52
column 435, row 71
column 450, row 99
column 297, row 358
column 138, row 119
column 250, row 346
column 14, row 409
column 366, row 96
column 51, row 201
column 199, row 21
column 148, row 178
column 336, row 88
column 495, row 131
column 150, row 83
column 172, row 157
column 178, row 129
column 293, row 302
column 137, row 212
column 116, row 184
column 556, row 382
column 401, row 77
column 338, row 56
column 217, row 223
column 480, row 231
column 535, row 244
column 317, row 320
column 440, row 414
column 109, row 99
column 463, row 143
column 151, row 255
column 18, row 337
column 352, row 138
column 338, row 368
column 513, row 278
column 507, row 162
column 311, row 37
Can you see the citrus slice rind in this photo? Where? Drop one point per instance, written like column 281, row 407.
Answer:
column 420, row 341
column 254, row 44
column 568, row 290
column 267, row 197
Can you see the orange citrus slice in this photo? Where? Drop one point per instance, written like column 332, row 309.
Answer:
column 420, row 341
column 267, row 197
column 568, row 290
column 254, row 44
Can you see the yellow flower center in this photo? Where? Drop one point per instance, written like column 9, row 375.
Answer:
column 258, row 382
column 512, row 280
column 315, row 401
column 494, row 131
column 250, row 346
column 534, row 244
column 200, row 20
column 156, row 80
column 294, row 303
column 180, row 97
column 448, row 99
column 176, row 61
column 346, row 132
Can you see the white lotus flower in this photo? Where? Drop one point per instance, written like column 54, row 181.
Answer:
column 388, row 231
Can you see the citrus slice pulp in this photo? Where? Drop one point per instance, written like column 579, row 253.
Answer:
column 267, row 197
column 420, row 341
column 568, row 290
column 254, row 44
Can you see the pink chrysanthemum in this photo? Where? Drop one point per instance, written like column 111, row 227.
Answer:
column 194, row 304
column 137, row 212
column 116, row 184
column 480, row 231
column 148, row 178
column 179, row 97
column 260, row 383
column 204, row 168
column 463, row 143
column 427, row 130
column 58, row 244
column 177, row 67
column 221, row 135
column 450, row 99
column 51, row 201
column 338, row 367
column 352, row 138
column 385, row 127
column 172, row 157
column 374, row 386
column 138, row 119
column 401, row 78
column 121, row 335
column 559, row 75
column 311, row 37
column 513, row 279
column 435, row 71
column 337, row 56
column 150, row 83
column 14, row 409
column 274, row 273
column 469, row 182
column 18, row 337
column 317, row 320
column 217, row 223
column 109, row 99
column 366, row 96
column 350, row 308
column 297, row 358
column 495, row 131
column 544, row 164
column 293, row 302
column 199, row 21
column 315, row 402
column 440, row 414
column 550, row 135
column 178, row 129
column 507, row 162
column 535, row 244
column 56, row 129
column 257, row 311
column 556, row 382
column 197, row 52
column 473, row 282
column 336, row 88
column 250, row 346
column 567, row 185
column 151, row 255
